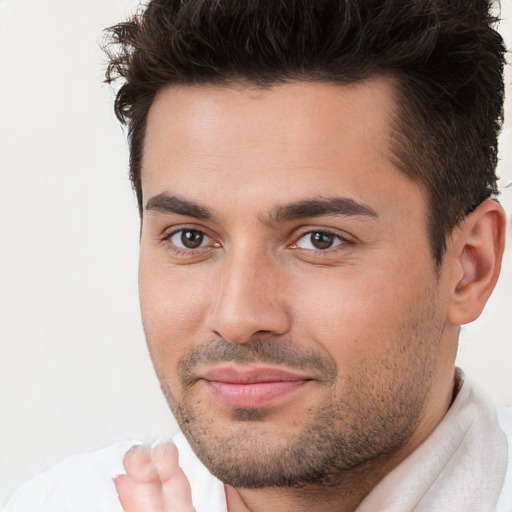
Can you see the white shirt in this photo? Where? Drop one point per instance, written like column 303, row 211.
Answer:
column 461, row 467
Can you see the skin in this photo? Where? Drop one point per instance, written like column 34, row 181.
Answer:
column 367, row 306
column 154, row 482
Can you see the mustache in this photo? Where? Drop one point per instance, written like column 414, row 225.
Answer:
column 280, row 353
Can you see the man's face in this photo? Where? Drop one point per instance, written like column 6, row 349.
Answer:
column 288, row 292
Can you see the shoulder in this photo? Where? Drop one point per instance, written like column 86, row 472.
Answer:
column 84, row 483
column 80, row 483
column 505, row 419
column 505, row 500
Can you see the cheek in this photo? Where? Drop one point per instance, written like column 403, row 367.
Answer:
column 361, row 315
column 171, row 308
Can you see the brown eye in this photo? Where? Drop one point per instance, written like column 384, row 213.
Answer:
column 189, row 239
column 322, row 240
column 319, row 240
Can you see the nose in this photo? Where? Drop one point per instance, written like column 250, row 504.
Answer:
column 249, row 301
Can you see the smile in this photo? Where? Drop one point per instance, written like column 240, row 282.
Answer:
column 251, row 388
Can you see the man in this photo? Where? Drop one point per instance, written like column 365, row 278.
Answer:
column 316, row 183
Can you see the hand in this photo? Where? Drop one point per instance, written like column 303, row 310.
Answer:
column 154, row 482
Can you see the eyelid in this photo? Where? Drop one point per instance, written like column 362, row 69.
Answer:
column 171, row 232
column 204, row 239
column 345, row 240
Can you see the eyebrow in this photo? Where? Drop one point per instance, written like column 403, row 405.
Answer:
column 165, row 203
column 323, row 206
column 171, row 204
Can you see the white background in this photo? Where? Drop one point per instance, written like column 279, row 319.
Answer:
column 74, row 370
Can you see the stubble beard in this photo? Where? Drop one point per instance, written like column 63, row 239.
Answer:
column 367, row 420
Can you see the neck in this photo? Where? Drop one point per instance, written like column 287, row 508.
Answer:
column 343, row 494
column 322, row 498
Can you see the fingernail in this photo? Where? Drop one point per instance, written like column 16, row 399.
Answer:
column 162, row 441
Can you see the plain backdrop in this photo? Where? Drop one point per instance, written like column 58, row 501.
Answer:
column 74, row 371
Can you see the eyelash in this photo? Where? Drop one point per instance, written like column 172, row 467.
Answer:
column 343, row 244
column 186, row 251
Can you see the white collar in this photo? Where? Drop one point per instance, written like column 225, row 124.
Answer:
column 460, row 467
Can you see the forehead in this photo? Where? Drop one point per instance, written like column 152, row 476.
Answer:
column 241, row 141
column 305, row 115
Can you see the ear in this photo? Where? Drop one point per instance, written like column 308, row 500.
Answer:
column 475, row 250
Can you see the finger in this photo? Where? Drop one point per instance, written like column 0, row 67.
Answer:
column 140, row 489
column 235, row 500
column 176, row 492
column 138, row 464
column 127, row 491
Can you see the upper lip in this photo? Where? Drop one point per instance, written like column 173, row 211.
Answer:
column 250, row 375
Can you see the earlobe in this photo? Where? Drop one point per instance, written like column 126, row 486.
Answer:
column 476, row 248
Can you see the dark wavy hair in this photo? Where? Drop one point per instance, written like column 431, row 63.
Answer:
column 445, row 57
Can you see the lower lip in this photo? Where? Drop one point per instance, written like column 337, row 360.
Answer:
column 252, row 395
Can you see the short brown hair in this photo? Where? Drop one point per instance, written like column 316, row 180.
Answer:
column 445, row 56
